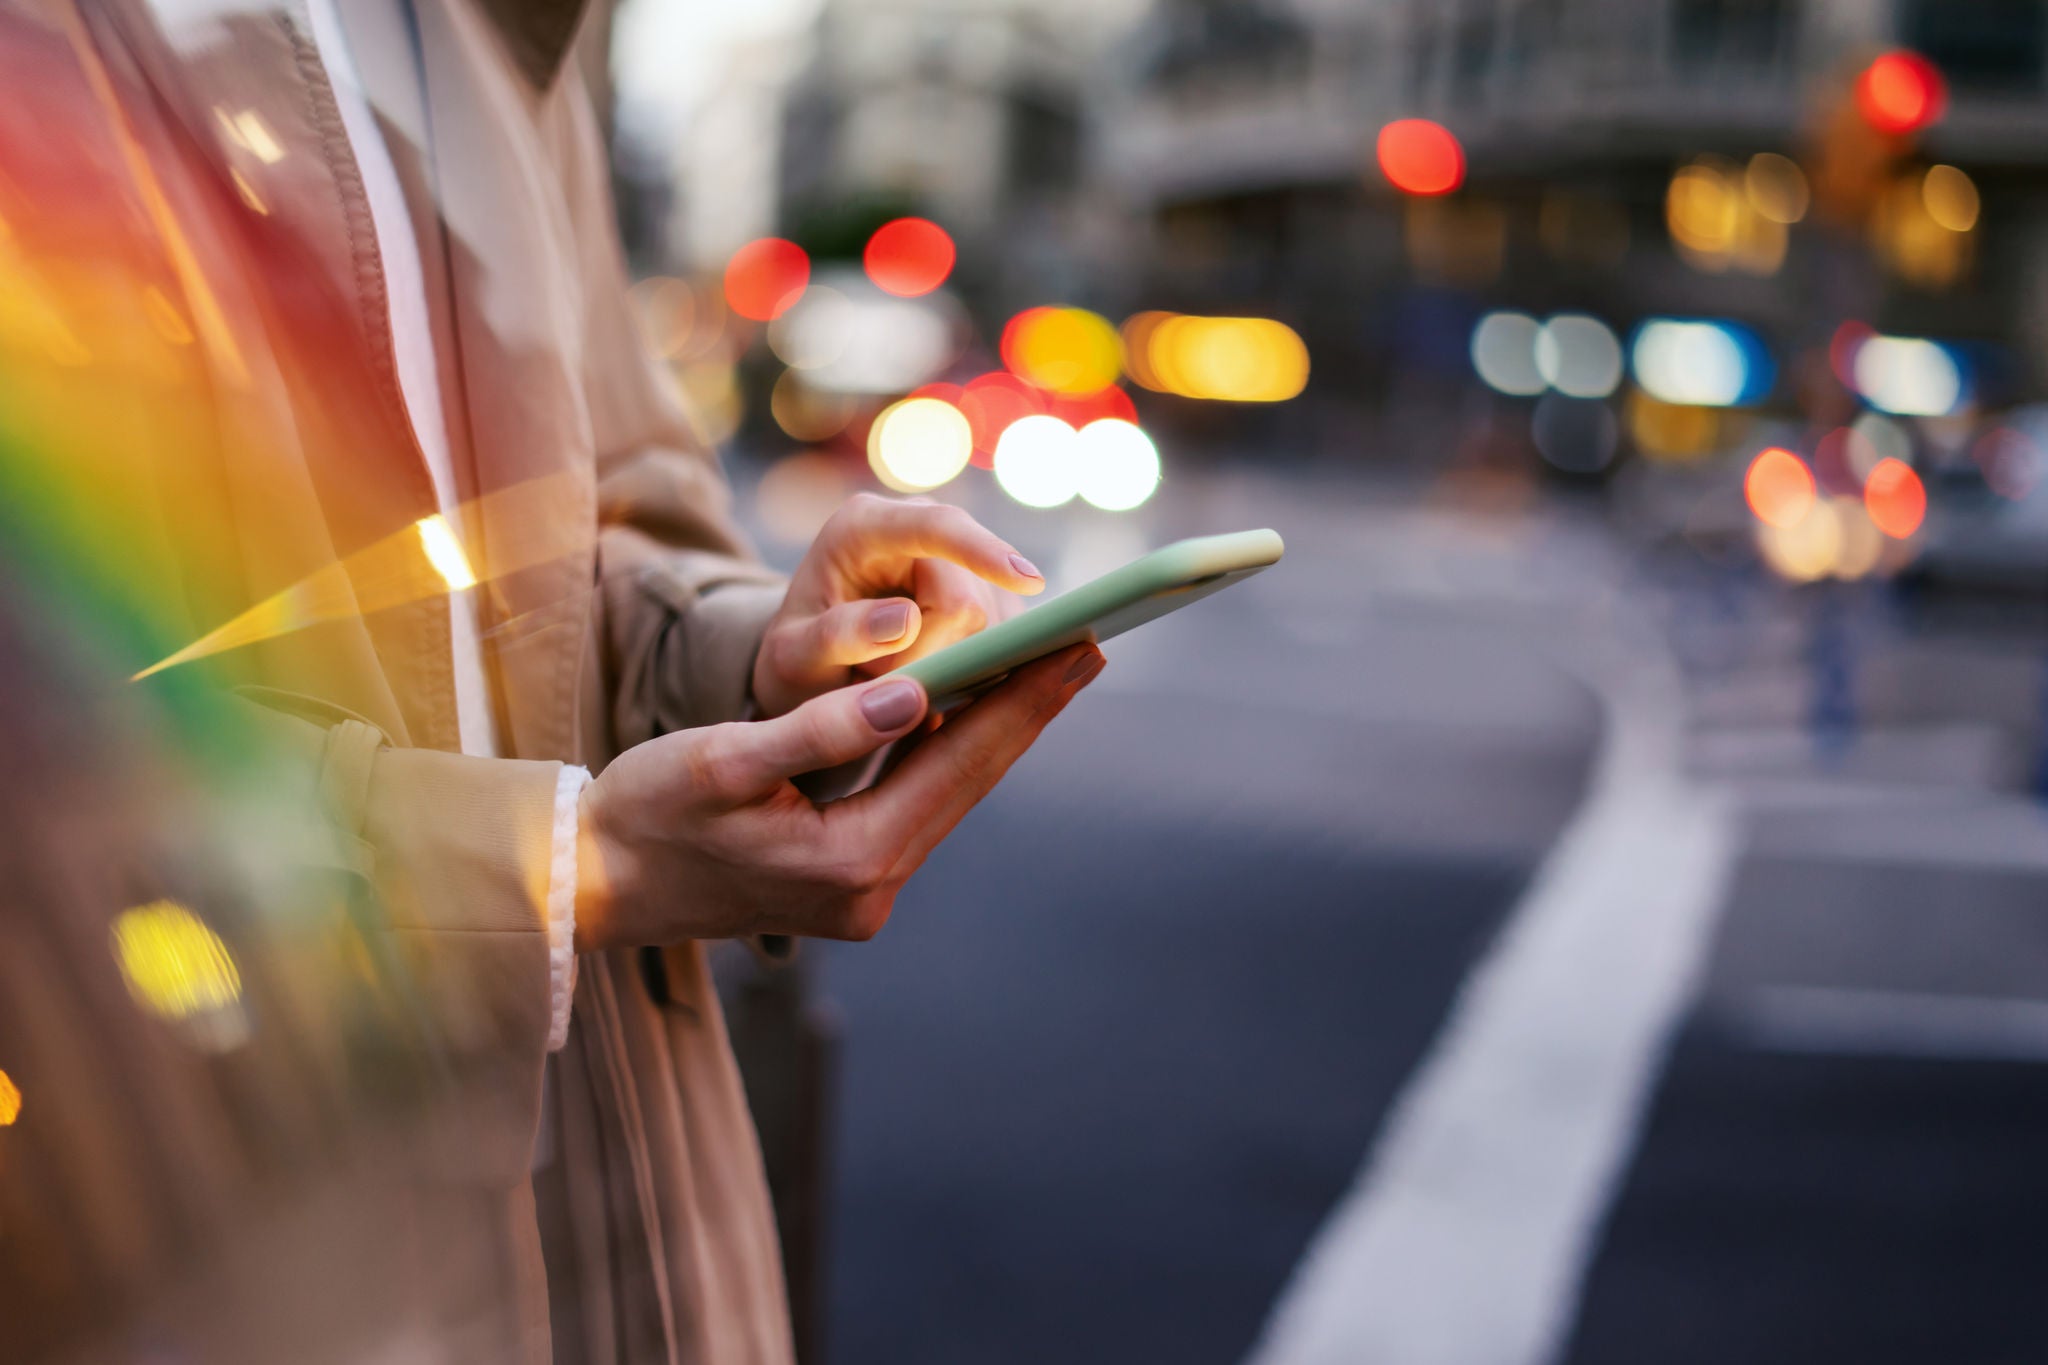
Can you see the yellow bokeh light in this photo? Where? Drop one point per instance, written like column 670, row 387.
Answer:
column 1723, row 218
column 1776, row 187
column 919, row 443
column 1064, row 350
column 1914, row 242
column 1671, row 431
column 10, row 1100
column 1137, row 338
column 1703, row 209
column 1236, row 360
column 1807, row 549
column 1951, row 198
column 174, row 965
column 445, row 553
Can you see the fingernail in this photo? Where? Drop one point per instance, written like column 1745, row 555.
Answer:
column 1084, row 668
column 892, row 705
column 1025, row 567
column 889, row 621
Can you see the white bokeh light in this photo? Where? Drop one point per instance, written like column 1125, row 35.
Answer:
column 1116, row 464
column 1037, row 461
column 1691, row 363
column 1908, row 376
column 918, row 444
column 1504, row 353
column 1578, row 355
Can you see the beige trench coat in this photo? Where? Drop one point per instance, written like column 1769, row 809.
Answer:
column 207, row 156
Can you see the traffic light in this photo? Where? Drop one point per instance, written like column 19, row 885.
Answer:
column 1421, row 157
column 1865, row 128
column 1901, row 93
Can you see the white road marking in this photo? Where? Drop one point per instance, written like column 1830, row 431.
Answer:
column 1465, row 1237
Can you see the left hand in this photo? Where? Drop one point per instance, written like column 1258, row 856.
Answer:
column 885, row 582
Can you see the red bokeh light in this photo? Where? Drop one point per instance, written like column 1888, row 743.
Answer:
column 1779, row 488
column 1901, row 92
column 1843, row 346
column 909, row 256
column 765, row 277
column 990, row 403
column 1078, row 411
column 1895, row 498
column 1421, row 157
column 944, row 392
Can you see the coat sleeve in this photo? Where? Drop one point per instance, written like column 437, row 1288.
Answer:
column 456, row 853
column 685, row 598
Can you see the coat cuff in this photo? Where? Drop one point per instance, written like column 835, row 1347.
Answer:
column 723, row 629
column 569, row 787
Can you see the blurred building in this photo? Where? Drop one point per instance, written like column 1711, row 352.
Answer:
column 976, row 116
column 1239, row 139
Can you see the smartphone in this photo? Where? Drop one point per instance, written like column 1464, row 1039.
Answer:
column 1143, row 590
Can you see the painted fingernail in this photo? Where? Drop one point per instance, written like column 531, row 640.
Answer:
column 889, row 621
column 1084, row 668
column 892, row 705
column 1025, row 567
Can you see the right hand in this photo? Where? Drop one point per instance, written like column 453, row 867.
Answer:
column 700, row 834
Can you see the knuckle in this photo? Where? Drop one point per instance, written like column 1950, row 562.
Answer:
column 817, row 733
column 710, row 765
column 859, row 872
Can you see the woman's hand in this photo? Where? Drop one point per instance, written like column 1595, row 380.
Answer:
column 885, row 582
column 700, row 834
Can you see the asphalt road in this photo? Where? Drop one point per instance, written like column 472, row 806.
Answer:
column 1131, row 1031
column 1138, row 1027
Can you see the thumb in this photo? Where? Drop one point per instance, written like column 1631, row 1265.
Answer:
column 833, row 729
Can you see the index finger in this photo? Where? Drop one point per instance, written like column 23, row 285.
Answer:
column 872, row 531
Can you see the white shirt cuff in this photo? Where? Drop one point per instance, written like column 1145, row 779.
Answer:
column 562, row 905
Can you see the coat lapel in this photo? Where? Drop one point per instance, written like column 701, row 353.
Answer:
column 244, row 103
column 517, row 317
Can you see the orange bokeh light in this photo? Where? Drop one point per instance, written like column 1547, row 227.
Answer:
column 1063, row 350
column 1421, row 157
column 1895, row 498
column 909, row 257
column 1901, row 92
column 765, row 277
column 1779, row 488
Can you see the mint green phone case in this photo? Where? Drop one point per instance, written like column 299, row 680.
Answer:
column 1143, row 590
